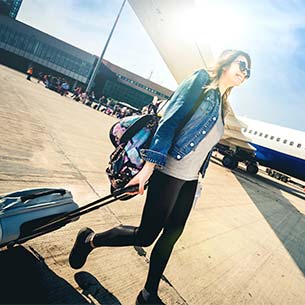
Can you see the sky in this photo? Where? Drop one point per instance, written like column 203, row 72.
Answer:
column 271, row 31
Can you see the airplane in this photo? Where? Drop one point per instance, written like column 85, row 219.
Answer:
column 184, row 52
column 280, row 149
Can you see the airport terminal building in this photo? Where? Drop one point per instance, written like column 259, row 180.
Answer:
column 22, row 45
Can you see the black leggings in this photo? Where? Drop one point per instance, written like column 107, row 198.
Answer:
column 168, row 204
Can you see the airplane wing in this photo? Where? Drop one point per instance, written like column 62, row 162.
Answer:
column 166, row 22
column 232, row 133
column 183, row 50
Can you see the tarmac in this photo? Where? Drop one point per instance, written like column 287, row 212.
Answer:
column 243, row 244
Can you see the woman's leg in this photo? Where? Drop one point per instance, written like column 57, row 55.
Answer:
column 171, row 232
column 162, row 194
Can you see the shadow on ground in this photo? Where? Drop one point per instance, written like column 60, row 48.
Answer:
column 26, row 279
column 94, row 290
column 287, row 222
column 265, row 179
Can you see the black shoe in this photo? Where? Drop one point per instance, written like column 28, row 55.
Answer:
column 81, row 249
column 151, row 300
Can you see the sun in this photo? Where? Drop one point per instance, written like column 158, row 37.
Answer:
column 218, row 24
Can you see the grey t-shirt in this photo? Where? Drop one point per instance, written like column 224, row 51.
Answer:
column 188, row 167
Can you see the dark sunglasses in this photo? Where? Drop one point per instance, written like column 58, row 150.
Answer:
column 243, row 67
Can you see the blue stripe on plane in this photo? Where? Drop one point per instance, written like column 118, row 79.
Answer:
column 290, row 165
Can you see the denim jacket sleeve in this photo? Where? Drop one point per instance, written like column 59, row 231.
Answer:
column 179, row 106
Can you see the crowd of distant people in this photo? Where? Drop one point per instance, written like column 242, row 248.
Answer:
column 55, row 83
column 112, row 107
column 104, row 104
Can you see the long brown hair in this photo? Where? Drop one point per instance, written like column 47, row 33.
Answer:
column 224, row 60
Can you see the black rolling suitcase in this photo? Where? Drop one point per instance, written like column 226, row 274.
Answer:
column 30, row 213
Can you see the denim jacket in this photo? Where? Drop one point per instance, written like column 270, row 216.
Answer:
column 166, row 141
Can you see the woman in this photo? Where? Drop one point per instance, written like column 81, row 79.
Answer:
column 173, row 163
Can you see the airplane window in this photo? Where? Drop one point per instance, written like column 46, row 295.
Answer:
column 291, row 143
column 285, row 141
column 255, row 132
column 272, row 137
column 299, row 145
column 260, row 134
column 278, row 139
column 266, row 136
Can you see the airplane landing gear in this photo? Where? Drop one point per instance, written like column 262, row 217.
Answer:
column 229, row 162
column 232, row 158
column 252, row 168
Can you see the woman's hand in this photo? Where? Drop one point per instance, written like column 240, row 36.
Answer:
column 142, row 177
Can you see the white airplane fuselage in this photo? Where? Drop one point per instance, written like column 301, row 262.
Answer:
column 277, row 147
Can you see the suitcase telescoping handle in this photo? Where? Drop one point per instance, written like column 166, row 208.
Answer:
column 36, row 195
column 63, row 219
